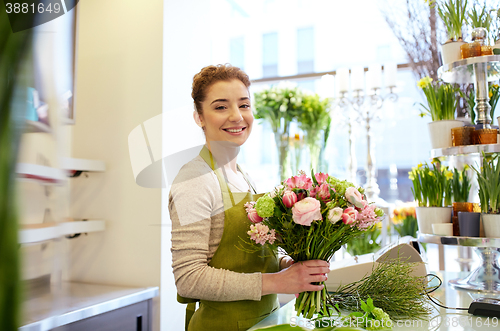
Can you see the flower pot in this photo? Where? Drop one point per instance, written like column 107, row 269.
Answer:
column 440, row 132
column 491, row 223
column 450, row 51
column 442, row 229
column 426, row 216
column 486, row 136
column 462, row 136
column 469, row 224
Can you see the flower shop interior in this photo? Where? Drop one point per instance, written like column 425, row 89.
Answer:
column 402, row 105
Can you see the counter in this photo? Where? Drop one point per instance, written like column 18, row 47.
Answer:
column 73, row 302
column 440, row 318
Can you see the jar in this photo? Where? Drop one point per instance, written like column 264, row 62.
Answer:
column 475, row 48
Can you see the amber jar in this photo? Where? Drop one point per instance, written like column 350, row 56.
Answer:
column 462, row 136
column 486, row 136
column 486, row 50
column 475, row 48
column 456, row 227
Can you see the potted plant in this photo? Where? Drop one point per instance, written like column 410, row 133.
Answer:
column 453, row 15
column 461, row 185
column 441, row 105
column 483, row 136
column 314, row 119
column 431, row 192
column 488, row 178
column 279, row 105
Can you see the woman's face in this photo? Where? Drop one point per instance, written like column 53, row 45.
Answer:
column 227, row 113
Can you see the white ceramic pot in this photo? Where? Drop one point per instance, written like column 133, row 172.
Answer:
column 440, row 132
column 498, row 121
column 491, row 224
column 450, row 52
column 426, row 216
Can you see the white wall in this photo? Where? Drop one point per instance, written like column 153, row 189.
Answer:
column 119, row 86
column 186, row 49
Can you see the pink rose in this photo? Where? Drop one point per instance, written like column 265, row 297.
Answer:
column 323, row 192
column 254, row 217
column 306, row 211
column 349, row 215
column 321, row 177
column 289, row 199
column 301, row 182
column 353, row 196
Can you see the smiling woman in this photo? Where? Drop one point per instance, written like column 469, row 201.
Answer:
column 236, row 289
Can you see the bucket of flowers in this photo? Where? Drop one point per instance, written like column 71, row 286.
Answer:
column 310, row 218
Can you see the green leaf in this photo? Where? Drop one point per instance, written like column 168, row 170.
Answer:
column 369, row 302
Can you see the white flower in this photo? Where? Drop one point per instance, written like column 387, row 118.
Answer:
column 283, row 108
column 335, row 214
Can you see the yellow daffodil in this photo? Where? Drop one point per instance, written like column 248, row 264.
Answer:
column 491, row 94
column 411, row 176
column 466, row 167
column 420, row 165
column 424, row 82
column 448, row 174
column 431, row 174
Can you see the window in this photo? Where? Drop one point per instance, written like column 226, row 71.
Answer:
column 270, row 55
column 305, row 50
column 237, row 52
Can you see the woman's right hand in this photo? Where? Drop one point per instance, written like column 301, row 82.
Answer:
column 296, row 278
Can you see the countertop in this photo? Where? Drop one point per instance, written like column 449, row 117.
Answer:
column 440, row 318
column 71, row 302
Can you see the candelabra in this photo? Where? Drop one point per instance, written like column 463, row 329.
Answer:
column 365, row 111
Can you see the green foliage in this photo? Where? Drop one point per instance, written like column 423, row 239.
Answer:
column 488, row 178
column 392, row 287
column 365, row 243
column 431, row 187
column 442, row 99
column 12, row 107
column 461, row 185
column 480, row 19
column 408, row 227
column 453, row 14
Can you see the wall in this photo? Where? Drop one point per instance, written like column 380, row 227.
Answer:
column 119, row 86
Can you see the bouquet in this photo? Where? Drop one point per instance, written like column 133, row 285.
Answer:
column 310, row 219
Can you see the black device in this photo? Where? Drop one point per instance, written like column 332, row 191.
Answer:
column 485, row 307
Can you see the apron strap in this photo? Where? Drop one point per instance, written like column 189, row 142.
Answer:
column 190, row 309
column 249, row 183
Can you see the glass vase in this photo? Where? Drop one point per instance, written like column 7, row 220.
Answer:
column 281, row 137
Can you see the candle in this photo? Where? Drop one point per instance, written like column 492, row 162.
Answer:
column 374, row 77
column 327, row 86
column 343, row 79
column 357, row 78
column 390, row 70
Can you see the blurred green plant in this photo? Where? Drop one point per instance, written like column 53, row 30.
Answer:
column 488, row 178
column 461, row 184
column 366, row 242
column 12, row 111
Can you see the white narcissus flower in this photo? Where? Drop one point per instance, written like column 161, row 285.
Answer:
column 335, row 214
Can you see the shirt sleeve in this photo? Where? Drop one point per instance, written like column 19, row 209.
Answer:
column 195, row 203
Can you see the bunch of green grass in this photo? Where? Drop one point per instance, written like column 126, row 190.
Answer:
column 480, row 19
column 431, row 187
column 392, row 288
column 461, row 185
column 453, row 14
column 488, row 178
column 441, row 100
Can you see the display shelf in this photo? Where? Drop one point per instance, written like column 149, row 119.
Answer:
column 462, row 71
column 486, row 277
column 468, row 149
column 32, row 126
column 39, row 173
column 34, row 233
column 72, row 165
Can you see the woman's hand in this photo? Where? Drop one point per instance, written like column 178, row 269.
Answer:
column 296, row 278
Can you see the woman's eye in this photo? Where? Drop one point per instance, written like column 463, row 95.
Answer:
column 220, row 107
column 245, row 106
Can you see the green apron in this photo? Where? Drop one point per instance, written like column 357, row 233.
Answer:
column 233, row 315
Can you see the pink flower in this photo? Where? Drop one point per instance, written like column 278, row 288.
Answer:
column 367, row 217
column 349, row 215
column 306, row 211
column 353, row 196
column 301, row 182
column 289, row 199
column 323, row 192
column 254, row 217
column 321, row 177
column 249, row 206
column 260, row 234
column 301, row 195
